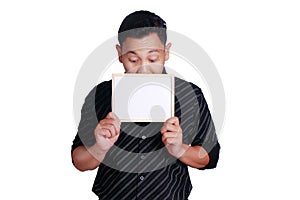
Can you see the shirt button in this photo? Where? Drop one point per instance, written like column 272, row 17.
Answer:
column 143, row 157
column 142, row 178
column 144, row 137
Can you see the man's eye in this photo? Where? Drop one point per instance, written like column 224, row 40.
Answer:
column 133, row 60
column 153, row 59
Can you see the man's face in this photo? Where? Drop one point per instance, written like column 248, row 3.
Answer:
column 145, row 55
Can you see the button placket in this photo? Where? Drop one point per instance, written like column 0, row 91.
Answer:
column 142, row 156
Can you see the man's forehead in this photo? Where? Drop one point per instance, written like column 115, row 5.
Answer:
column 149, row 42
column 143, row 50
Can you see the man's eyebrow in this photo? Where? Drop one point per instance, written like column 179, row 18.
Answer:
column 133, row 52
column 153, row 50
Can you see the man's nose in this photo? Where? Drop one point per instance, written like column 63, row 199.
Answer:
column 144, row 68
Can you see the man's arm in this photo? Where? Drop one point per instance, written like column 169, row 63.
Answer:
column 84, row 160
column 106, row 134
column 193, row 156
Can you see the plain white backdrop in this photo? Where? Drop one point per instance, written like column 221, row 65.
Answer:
column 255, row 46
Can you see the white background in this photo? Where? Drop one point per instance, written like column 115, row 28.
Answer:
column 255, row 46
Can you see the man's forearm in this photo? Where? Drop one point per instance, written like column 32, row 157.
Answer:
column 194, row 156
column 87, row 159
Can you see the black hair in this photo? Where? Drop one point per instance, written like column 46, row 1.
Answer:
column 141, row 23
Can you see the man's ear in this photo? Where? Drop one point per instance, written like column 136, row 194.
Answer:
column 167, row 51
column 119, row 52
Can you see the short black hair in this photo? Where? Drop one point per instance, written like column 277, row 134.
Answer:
column 141, row 23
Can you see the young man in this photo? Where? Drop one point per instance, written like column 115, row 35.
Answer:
column 145, row 160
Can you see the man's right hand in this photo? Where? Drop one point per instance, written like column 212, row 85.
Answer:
column 107, row 132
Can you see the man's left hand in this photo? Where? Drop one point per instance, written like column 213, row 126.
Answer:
column 172, row 137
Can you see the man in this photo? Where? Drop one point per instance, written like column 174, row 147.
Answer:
column 145, row 160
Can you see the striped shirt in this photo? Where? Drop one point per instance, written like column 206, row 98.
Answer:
column 138, row 166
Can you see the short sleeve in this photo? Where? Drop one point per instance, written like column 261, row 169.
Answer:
column 88, row 122
column 96, row 106
column 204, row 129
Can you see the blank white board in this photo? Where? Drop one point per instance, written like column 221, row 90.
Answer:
column 143, row 97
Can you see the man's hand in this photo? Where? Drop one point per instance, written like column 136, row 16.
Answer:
column 172, row 137
column 107, row 132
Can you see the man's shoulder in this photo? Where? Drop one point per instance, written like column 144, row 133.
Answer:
column 103, row 85
column 181, row 84
column 100, row 89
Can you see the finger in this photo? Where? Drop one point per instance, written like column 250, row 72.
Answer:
column 102, row 132
column 112, row 115
column 107, row 133
column 110, row 128
column 173, row 120
column 169, row 135
column 169, row 141
column 117, row 126
column 164, row 140
column 112, row 122
column 106, row 130
column 163, row 130
column 116, row 119
column 169, row 128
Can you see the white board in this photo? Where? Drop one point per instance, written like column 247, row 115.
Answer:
column 143, row 97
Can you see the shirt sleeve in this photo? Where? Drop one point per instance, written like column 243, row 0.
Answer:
column 206, row 136
column 87, row 124
column 96, row 106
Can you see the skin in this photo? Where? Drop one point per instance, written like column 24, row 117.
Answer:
column 145, row 55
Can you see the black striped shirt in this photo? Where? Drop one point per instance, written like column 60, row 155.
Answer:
column 138, row 166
